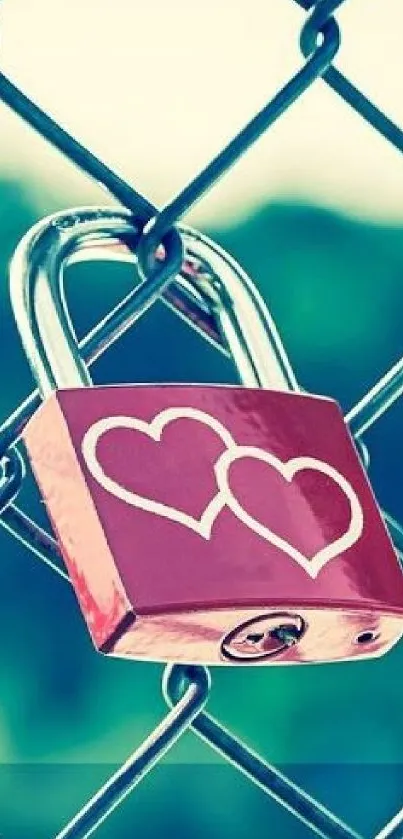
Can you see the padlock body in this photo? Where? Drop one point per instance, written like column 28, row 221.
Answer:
column 187, row 513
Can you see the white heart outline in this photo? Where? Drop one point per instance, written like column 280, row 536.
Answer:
column 288, row 470
column 154, row 429
column 224, row 497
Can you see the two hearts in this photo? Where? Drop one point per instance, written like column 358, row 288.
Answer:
column 224, row 496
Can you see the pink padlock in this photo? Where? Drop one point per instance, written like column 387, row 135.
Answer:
column 209, row 524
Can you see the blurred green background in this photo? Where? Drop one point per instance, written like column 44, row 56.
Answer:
column 69, row 716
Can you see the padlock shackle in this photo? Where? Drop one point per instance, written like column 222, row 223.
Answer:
column 210, row 279
column 242, row 317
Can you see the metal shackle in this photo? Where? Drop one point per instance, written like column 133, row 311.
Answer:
column 213, row 282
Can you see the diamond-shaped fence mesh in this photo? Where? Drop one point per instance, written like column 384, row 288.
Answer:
column 186, row 688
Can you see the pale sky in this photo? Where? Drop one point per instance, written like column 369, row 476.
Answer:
column 156, row 88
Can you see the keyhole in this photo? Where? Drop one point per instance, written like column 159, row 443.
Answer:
column 255, row 637
column 268, row 635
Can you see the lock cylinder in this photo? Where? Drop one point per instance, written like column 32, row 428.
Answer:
column 263, row 637
column 225, row 524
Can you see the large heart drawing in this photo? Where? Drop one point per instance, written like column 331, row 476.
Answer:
column 224, row 496
column 154, row 430
column 312, row 565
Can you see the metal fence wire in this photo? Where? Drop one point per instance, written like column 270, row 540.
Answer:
column 186, row 688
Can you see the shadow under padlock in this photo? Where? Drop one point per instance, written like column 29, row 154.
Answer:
column 207, row 524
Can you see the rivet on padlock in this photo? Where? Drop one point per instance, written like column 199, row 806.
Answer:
column 210, row 524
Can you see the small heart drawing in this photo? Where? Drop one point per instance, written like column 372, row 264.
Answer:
column 288, row 470
column 154, row 430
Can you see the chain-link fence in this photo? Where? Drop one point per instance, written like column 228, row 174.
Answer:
column 158, row 247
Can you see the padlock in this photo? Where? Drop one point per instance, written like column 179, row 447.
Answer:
column 218, row 524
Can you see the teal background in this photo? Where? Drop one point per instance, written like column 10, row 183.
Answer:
column 68, row 715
